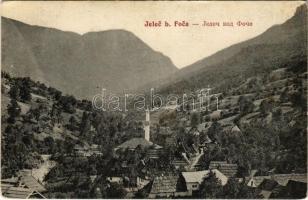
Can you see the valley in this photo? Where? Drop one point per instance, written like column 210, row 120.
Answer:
column 241, row 133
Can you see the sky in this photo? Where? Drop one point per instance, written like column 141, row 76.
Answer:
column 183, row 45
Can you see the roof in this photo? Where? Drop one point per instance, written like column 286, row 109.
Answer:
column 268, row 184
column 216, row 114
column 78, row 147
column 296, row 189
column 164, row 184
column 170, row 141
column 194, row 177
column 134, row 142
column 32, row 183
column 215, row 163
column 25, row 178
column 93, row 177
column 198, row 176
column 19, row 192
column 5, row 186
column 157, row 147
column 206, row 140
column 201, row 127
column 227, row 169
column 94, row 146
column 266, row 194
column 257, row 180
column 235, row 129
column 180, row 162
column 12, row 180
column 220, row 176
column 165, row 131
column 282, row 179
column 293, row 190
column 154, row 153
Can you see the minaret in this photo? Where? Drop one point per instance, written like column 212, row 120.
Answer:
column 208, row 97
column 147, row 125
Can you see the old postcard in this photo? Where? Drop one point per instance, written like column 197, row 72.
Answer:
column 112, row 99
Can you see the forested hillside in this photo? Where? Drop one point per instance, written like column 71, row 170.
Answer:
column 279, row 45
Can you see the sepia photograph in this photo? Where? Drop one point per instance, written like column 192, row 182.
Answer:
column 154, row 100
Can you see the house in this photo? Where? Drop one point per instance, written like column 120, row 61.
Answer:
column 22, row 187
column 133, row 143
column 293, row 190
column 194, row 179
column 227, row 169
column 282, row 179
column 167, row 187
column 171, row 141
column 95, row 149
column 10, row 181
column 236, row 129
column 266, row 187
column 155, row 151
column 216, row 115
column 278, row 74
column 270, row 188
column 92, row 178
column 13, row 192
column 86, row 151
column 203, row 127
column 180, row 163
column 113, row 179
column 256, row 181
column 31, row 183
column 165, row 131
column 142, row 182
column 205, row 141
column 25, row 179
column 81, row 151
column 135, row 183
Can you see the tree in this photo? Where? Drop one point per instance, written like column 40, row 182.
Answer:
column 13, row 111
column 85, row 125
column 195, row 119
column 69, row 146
column 56, row 94
column 73, row 123
column 21, row 89
column 14, row 92
column 25, row 94
column 266, row 106
column 68, row 104
column 235, row 190
column 116, row 191
column 211, row 187
column 246, row 105
column 231, row 189
column 49, row 142
column 284, row 97
column 214, row 130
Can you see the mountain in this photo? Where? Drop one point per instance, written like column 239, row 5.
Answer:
column 280, row 45
column 81, row 64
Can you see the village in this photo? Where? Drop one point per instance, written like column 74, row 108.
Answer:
column 190, row 163
column 234, row 125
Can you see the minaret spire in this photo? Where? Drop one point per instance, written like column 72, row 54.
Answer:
column 147, row 125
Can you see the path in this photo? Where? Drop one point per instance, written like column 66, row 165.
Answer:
column 195, row 160
column 44, row 168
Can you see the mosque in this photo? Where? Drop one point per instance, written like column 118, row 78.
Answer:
column 144, row 142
